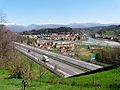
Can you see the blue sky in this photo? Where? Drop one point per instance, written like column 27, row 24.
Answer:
column 61, row 11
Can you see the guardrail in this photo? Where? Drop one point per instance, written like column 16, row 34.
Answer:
column 81, row 64
column 42, row 63
column 68, row 63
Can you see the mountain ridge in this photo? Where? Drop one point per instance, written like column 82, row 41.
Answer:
column 20, row 28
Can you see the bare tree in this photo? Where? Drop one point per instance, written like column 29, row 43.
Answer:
column 8, row 56
column 4, row 40
column 2, row 17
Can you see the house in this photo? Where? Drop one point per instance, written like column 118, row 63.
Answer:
column 70, row 46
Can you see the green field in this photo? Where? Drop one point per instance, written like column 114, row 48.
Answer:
column 107, row 80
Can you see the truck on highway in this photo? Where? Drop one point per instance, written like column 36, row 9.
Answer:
column 45, row 58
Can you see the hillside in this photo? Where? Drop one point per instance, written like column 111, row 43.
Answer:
column 107, row 30
column 20, row 28
column 107, row 80
column 103, row 30
column 48, row 31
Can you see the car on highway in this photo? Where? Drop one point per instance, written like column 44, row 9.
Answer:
column 45, row 58
column 28, row 50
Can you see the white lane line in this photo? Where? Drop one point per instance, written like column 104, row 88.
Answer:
column 66, row 74
column 76, row 72
column 50, row 65
column 53, row 66
column 67, row 68
column 28, row 54
column 61, row 66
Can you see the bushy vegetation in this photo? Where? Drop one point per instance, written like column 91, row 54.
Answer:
column 9, row 58
column 48, row 31
column 102, row 30
column 109, row 30
column 109, row 56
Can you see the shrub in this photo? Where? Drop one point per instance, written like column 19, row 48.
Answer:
column 109, row 56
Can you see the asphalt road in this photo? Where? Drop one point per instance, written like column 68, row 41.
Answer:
column 65, row 65
column 65, row 69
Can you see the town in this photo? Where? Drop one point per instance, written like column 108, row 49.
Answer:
column 59, row 45
column 67, row 43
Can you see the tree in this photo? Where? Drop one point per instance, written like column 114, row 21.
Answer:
column 2, row 17
column 5, row 39
column 9, row 58
column 109, row 56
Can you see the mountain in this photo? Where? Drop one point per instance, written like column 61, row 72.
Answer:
column 51, row 26
column 20, row 28
column 86, row 25
column 16, row 28
column 33, row 26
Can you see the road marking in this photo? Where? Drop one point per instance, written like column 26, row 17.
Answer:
column 62, row 66
column 66, row 74
column 35, row 55
column 76, row 72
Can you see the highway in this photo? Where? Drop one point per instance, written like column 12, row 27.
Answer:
column 62, row 65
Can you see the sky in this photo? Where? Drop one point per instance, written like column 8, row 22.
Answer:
column 27, row 12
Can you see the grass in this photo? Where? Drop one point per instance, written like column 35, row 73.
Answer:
column 109, row 33
column 107, row 80
column 85, row 57
column 4, row 74
column 103, row 80
column 55, row 50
